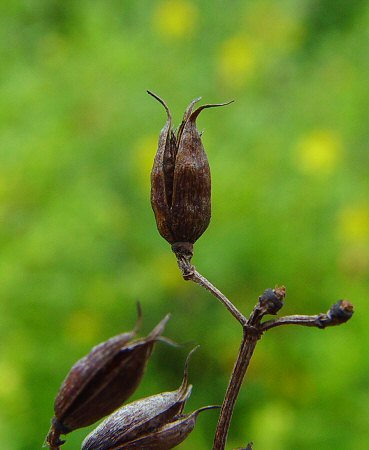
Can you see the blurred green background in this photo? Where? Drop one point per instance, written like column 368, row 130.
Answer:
column 289, row 164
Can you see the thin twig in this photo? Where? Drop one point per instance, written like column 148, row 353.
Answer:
column 307, row 321
column 190, row 273
column 339, row 313
column 196, row 277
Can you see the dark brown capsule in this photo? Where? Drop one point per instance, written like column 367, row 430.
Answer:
column 139, row 418
column 166, row 437
column 180, row 180
column 101, row 381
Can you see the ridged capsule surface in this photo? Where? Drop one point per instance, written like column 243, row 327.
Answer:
column 139, row 418
column 166, row 437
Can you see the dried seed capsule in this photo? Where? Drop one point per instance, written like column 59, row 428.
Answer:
column 166, row 437
column 139, row 418
column 101, row 381
column 180, row 181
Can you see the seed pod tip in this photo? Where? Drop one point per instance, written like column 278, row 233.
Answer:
column 193, row 116
column 184, row 384
column 156, row 332
column 160, row 100
column 138, row 325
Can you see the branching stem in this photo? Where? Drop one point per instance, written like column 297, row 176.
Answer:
column 269, row 303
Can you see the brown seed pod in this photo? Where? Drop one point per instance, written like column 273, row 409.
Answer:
column 180, row 180
column 101, row 381
column 140, row 417
column 166, row 437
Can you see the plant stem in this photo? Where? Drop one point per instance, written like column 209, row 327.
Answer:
column 196, row 277
column 251, row 335
column 243, row 359
column 270, row 302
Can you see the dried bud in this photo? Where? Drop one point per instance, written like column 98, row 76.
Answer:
column 101, row 381
column 340, row 312
column 139, row 418
column 180, row 181
column 272, row 299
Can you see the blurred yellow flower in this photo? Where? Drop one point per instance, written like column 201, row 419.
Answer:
column 145, row 149
column 82, row 327
column 353, row 224
column 278, row 419
column 175, row 19
column 275, row 27
column 3, row 187
column 10, row 381
column 168, row 274
column 236, row 61
column 319, row 152
column 354, row 260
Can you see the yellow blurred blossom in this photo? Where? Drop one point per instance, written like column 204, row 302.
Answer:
column 319, row 152
column 236, row 61
column 278, row 419
column 168, row 274
column 353, row 224
column 145, row 149
column 10, row 381
column 273, row 26
column 3, row 187
column 354, row 260
column 175, row 19
column 82, row 327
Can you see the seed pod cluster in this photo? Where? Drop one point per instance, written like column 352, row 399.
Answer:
column 101, row 381
column 154, row 422
column 180, row 181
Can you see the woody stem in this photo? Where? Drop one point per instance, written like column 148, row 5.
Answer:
column 251, row 334
column 239, row 371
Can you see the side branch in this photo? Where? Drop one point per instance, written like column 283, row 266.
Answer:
column 196, row 277
column 339, row 313
column 190, row 273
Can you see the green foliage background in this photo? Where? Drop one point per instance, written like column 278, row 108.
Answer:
column 289, row 164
